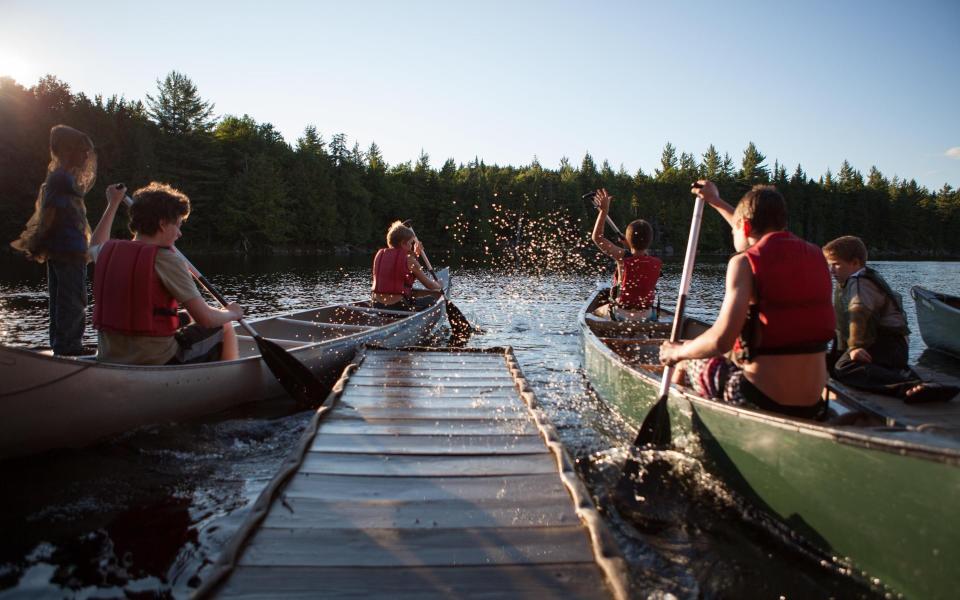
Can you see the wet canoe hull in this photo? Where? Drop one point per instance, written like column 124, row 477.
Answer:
column 881, row 499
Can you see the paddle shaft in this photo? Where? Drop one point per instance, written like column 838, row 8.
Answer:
column 688, row 261
column 204, row 281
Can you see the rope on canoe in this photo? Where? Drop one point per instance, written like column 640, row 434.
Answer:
column 46, row 383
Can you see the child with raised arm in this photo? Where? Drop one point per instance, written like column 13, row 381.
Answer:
column 637, row 272
column 58, row 233
column 871, row 345
column 139, row 285
column 395, row 268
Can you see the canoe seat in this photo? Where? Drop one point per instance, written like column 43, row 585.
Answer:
column 327, row 326
column 383, row 311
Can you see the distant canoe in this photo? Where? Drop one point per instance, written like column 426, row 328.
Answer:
column 49, row 402
column 876, row 486
column 939, row 318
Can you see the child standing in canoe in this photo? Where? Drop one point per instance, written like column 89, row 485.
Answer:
column 58, row 233
column 637, row 272
column 140, row 284
column 395, row 268
column 871, row 344
column 776, row 315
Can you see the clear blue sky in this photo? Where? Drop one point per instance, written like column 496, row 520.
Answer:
column 874, row 82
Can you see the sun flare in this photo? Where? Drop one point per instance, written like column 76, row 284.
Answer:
column 20, row 70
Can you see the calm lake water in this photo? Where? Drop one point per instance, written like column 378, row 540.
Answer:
column 145, row 514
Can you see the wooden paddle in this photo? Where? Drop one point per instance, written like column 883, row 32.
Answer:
column 293, row 375
column 655, row 429
column 459, row 326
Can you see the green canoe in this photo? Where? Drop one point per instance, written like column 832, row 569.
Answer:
column 939, row 318
column 880, row 493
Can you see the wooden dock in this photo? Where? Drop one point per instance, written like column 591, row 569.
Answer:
column 425, row 474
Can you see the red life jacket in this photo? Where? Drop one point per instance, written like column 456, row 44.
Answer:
column 391, row 274
column 638, row 281
column 130, row 298
column 793, row 313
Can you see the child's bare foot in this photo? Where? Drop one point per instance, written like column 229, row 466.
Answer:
column 930, row 392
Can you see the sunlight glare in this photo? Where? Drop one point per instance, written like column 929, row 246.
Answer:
column 20, row 70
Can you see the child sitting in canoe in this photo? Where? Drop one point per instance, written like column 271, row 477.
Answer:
column 776, row 315
column 637, row 272
column 395, row 268
column 140, row 284
column 871, row 347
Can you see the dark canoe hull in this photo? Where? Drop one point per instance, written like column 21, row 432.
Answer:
column 882, row 499
column 49, row 402
column 939, row 318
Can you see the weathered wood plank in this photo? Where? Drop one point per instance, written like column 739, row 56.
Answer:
column 430, row 358
column 417, row 548
column 427, row 427
column 332, row 463
column 465, row 395
column 310, row 513
column 508, row 488
column 462, row 412
column 433, row 378
column 429, row 444
column 452, row 382
column 572, row 581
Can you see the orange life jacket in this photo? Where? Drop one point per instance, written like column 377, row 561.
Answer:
column 638, row 281
column 130, row 298
column 793, row 312
column 391, row 274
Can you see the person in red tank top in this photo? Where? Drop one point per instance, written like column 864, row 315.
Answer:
column 395, row 268
column 637, row 272
column 139, row 284
column 775, row 311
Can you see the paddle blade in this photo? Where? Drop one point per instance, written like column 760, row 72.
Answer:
column 654, row 432
column 655, row 429
column 296, row 378
column 459, row 325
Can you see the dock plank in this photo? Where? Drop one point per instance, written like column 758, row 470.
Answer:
column 572, row 581
column 331, row 463
column 428, row 427
column 311, row 513
column 429, row 444
column 417, row 548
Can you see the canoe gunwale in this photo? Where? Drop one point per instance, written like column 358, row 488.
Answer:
column 845, row 435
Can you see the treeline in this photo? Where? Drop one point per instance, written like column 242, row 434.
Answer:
column 253, row 191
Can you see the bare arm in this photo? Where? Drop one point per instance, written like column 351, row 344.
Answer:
column 114, row 197
column 208, row 316
column 720, row 338
column 711, row 195
column 606, row 246
column 428, row 282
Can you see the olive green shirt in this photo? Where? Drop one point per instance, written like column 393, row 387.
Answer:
column 865, row 311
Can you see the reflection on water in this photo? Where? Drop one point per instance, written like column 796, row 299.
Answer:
column 146, row 513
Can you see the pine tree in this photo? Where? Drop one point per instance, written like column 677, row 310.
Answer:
column 752, row 169
column 668, row 164
column 711, row 167
column 178, row 109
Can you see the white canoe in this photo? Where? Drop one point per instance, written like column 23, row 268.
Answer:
column 49, row 402
column 939, row 318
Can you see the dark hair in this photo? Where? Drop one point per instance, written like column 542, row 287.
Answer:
column 154, row 204
column 847, row 248
column 639, row 235
column 765, row 208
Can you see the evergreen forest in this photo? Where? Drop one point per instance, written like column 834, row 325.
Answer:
column 252, row 191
